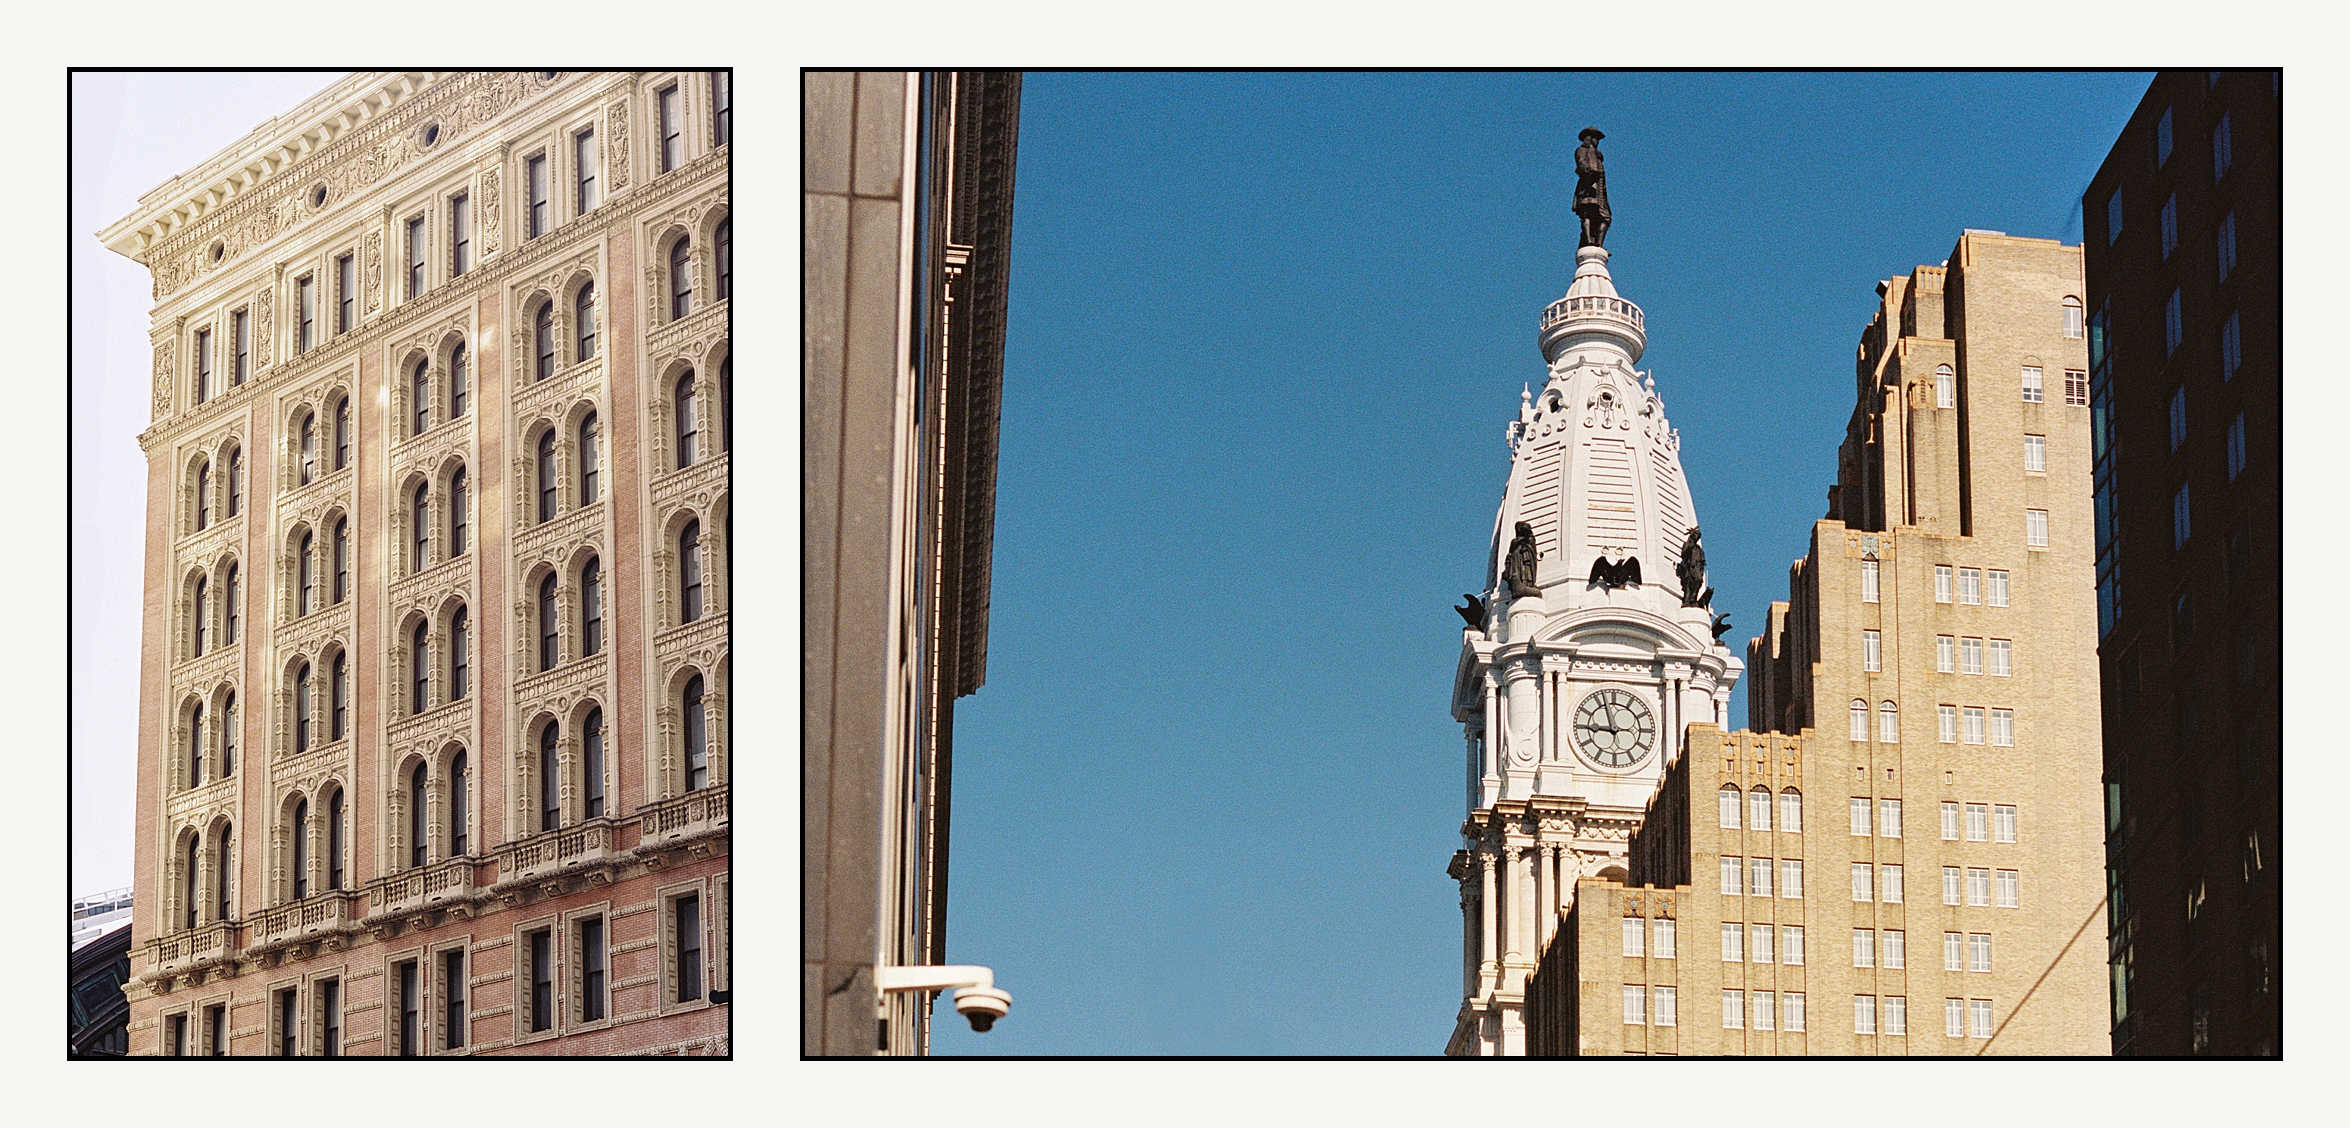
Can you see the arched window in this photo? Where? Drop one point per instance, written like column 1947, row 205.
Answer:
column 1945, row 386
column 591, row 608
column 342, row 433
column 338, row 695
column 542, row 335
column 457, row 803
column 306, row 580
column 301, row 848
column 342, row 554
column 457, row 670
column 550, row 781
column 417, row 797
column 548, row 620
column 420, row 384
column 204, row 494
column 1758, row 809
column 591, row 765
column 2072, row 316
column 228, row 607
column 196, row 746
column 458, row 388
column 583, row 313
column 587, row 459
column 420, row 519
column 228, row 736
column 1730, row 806
column 420, row 670
column 1860, row 720
column 689, row 570
column 1791, row 811
column 547, row 481
column 227, row 870
column 200, row 616
column 334, row 840
column 697, row 738
column 309, row 461
column 236, row 480
column 686, row 428
column 1888, row 723
column 194, row 867
column 725, row 258
column 457, row 508
column 302, row 708
column 726, row 404
column 681, row 286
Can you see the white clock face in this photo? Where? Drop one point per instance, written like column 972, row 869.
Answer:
column 1614, row 728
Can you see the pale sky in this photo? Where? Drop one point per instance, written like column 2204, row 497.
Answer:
column 126, row 141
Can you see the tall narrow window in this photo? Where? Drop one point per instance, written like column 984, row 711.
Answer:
column 196, row 746
column 2035, row 454
column 342, row 558
column 407, row 1008
column 2113, row 216
column 2224, row 242
column 2178, row 417
column 587, row 459
column 2036, row 528
column 1859, row 713
column 346, row 294
column 583, row 312
column 1888, row 723
column 726, row 407
column 1868, row 581
column 204, row 495
column 458, row 823
column 236, row 480
column 418, row 846
column 672, row 131
column 591, row 609
column 420, row 387
column 1871, row 659
column 591, row 764
column 542, row 980
column 721, row 107
column 309, row 448
column 2236, row 447
column 542, row 334
column 288, row 1023
column 338, row 696
column 548, row 621
column 228, row 735
column 457, row 660
column 689, row 948
column 420, row 521
column 460, row 387
column 227, row 870
column 1758, row 804
column 536, row 175
column 2173, row 325
column 2223, row 153
column 453, row 1000
column 686, row 425
column 216, row 1024
column 203, row 365
column 2170, row 226
column 2231, row 347
column 550, row 780
column 583, row 147
column 697, row 743
column 416, row 256
column 689, row 568
column 188, row 895
column 2180, row 525
column 591, row 964
column 334, row 840
column 228, row 608
column 2072, row 318
column 547, row 479
column 420, row 672
column 241, row 324
column 305, row 312
column 330, row 1016
column 724, row 261
column 301, row 848
column 306, row 577
column 2162, row 139
column 302, row 708
column 2034, row 391
column 342, row 433
column 681, row 279
column 460, row 235
column 457, row 507
column 202, row 614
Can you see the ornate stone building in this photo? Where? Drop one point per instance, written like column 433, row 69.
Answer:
column 1574, row 688
column 433, row 733
column 1901, row 859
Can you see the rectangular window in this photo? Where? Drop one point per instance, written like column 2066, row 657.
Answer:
column 1941, row 583
column 1758, row 876
column 2007, row 885
column 2035, row 454
column 289, row 1023
column 1660, row 935
column 330, row 1017
column 672, row 132
column 1949, row 822
column 1635, row 1005
column 542, row 980
column 1868, row 581
column 2224, row 242
column 1978, row 822
column 1896, row 1014
column 2181, row 521
column 583, row 148
column 1635, row 930
column 2003, row 823
column 535, row 175
column 722, row 129
column 1979, row 1017
column 1950, row 884
column 241, row 339
column 1733, row 1010
column 305, row 312
column 1945, row 651
column 2002, row 653
column 1946, row 721
column 415, row 256
column 2003, row 727
column 216, row 1034
column 1759, row 942
column 453, row 1000
column 1888, row 818
column 203, row 365
column 2222, row 153
column 1864, row 947
column 2076, row 387
column 1733, row 877
column 1733, row 943
column 1996, row 581
column 1791, row 811
column 346, row 294
column 1758, row 803
column 1764, row 1017
column 1889, row 884
column 1978, row 951
column 591, row 965
column 1953, row 951
column 1864, row 881
column 177, row 1025
column 1945, row 387
column 405, row 1004
column 1970, row 586
column 1791, row 878
column 1791, row 945
column 460, row 234
column 2178, row 417
column 1895, row 949
column 1729, row 808
column 1864, row 1014
column 2173, row 326
column 687, row 919
column 1860, row 817
column 1970, row 656
column 1954, row 1018
column 1791, row 1012
column 2170, row 226
column 2032, row 387
column 2236, row 447
column 2113, row 216
column 2231, row 347
column 2162, row 140
column 1978, row 887
column 1870, row 659
column 2036, row 528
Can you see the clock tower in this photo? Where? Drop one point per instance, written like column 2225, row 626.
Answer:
column 1593, row 648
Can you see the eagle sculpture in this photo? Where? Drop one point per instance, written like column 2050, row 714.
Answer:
column 1474, row 612
column 1624, row 573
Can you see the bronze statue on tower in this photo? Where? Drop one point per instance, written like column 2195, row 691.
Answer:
column 1591, row 189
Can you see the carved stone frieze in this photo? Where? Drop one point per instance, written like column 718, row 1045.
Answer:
column 616, row 146
column 166, row 353
column 701, row 643
column 427, row 591
column 697, row 487
column 371, row 270
column 200, row 676
column 310, row 771
column 309, row 634
column 488, row 208
column 556, row 541
column 557, row 692
column 687, row 338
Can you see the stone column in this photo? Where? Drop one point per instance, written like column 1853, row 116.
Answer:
column 1546, row 897
column 1491, row 777
column 1488, row 967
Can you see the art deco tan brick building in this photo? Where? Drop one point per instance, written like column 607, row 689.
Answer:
column 433, row 734
column 1903, row 859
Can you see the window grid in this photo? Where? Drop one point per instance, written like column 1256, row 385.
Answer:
column 2003, row 823
column 1635, row 931
column 1791, row 878
column 1888, row 818
column 1758, row 877
column 1945, row 647
column 1791, row 945
column 2003, row 728
column 1889, row 884
column 1791, row 811
column 1979, row 1018
column 1950, row 885
column 1946, row 722
column 1997, row 584
column 1760, row 945
column 1970, row 655
column 1978, row 822
column 1733, row 1009
column 1864, row 1014
column 1864, row 881
column 1895, row 949
column 1764, row 1015
column 1661, row 938
column 2008, row 882
column 1978, row 951
column 1635, row 1005
column 1730, row 808
column 1941, row 583
column 2076, row 387
column 1759, row 808
column 1868, row 581
column 2035, row 454
column 1888, row 723
column 1733, row 943
column 1978, row 887
column 1870, row 659
column 1860, row 817
column 1668, row 1005
column 1859, row 713
column 2036, row 528
column 1970, row 586
column 1864, row 947
column 1949, row 822
column 1896, row 1015
column 1733, row 877
column 2031, row 384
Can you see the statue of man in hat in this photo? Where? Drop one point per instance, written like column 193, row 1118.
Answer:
column 1591, row 189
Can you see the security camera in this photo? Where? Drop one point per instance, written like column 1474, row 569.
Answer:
column 982, row 1005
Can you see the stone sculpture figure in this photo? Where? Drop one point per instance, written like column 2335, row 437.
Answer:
column 1694, row 593
column 1517, row 568
column 1591, row 189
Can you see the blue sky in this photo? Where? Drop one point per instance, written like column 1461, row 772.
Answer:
column 1265, row 333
